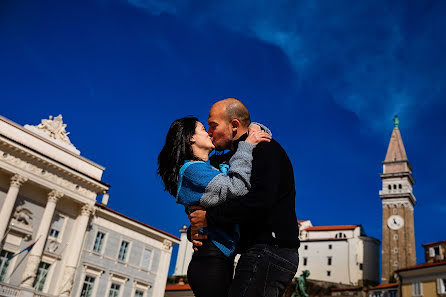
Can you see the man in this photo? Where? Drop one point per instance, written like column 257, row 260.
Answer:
column 266, row 215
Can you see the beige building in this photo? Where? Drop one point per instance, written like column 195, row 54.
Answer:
column 435, row 251
column 428, row 280
column 48, row 195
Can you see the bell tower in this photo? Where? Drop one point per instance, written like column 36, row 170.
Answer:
column 398, row 201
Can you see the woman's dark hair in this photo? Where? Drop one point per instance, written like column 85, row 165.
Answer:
column 176, row 150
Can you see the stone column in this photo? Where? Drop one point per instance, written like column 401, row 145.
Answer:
column 163, row 269
column 42, row 234
column 75, row 250
column 5, row 212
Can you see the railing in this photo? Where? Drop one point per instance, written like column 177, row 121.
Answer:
column 9, row 291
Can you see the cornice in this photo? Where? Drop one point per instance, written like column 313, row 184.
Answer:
column 15, row 125
column 49, row 180
column 97, row 186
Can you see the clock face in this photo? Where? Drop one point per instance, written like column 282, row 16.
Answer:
column 395, row 222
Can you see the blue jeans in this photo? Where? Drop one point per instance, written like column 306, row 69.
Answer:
column 264, row 270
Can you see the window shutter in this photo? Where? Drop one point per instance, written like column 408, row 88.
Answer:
column 431, row 252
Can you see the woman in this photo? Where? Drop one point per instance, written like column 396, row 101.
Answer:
column 187, row 174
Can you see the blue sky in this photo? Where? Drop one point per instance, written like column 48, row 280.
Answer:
column 326, row 77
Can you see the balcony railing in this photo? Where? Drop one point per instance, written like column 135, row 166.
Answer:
column 7, row 290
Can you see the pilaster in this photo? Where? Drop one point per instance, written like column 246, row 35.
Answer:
column 75, row 250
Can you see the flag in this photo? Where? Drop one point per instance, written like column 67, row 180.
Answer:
column 27, row 249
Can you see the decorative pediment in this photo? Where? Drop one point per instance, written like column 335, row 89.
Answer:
column 55, row 130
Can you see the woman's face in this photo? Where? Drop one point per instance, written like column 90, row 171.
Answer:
column 201, row 138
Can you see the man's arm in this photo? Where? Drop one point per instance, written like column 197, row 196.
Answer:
column 260, row 199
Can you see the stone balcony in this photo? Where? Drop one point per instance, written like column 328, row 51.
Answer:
column 7, row 290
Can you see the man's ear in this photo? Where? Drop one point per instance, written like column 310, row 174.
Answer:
column 235, row 124
column 192, row 139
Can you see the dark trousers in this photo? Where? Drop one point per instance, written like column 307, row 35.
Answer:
column 210, row 272
column 264, row 270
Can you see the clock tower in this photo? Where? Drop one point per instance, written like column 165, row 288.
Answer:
column 398, row 201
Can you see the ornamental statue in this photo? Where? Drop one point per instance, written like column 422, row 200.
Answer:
column 301, row 285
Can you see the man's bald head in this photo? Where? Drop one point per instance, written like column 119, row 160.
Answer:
column 234, row 109
column 228, row 120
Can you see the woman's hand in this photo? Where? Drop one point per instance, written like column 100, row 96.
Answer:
column 256, row 135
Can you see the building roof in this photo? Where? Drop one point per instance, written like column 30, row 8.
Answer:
column 385, row 286
column 136, row 221
column 396, row 151
column 178, row 287
column 425, row 265
column 432, row 243
column 332, row 228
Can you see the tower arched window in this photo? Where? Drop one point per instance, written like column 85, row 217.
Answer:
column 394, row 187
column 389, row 187
column 400, row 186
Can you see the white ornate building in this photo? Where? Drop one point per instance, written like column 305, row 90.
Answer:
column 338, row 254
column 48, row 195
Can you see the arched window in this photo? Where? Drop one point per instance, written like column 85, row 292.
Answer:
column 400, row 186
column 389, row 187
column 394, row 187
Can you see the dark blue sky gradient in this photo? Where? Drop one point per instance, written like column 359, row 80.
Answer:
column 326, row 78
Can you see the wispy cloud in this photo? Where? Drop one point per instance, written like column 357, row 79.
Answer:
column 375, row 58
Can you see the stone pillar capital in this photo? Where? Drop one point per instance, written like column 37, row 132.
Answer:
column 17, row 180
column 87, row 210
column 54, row 196
column 167, row 244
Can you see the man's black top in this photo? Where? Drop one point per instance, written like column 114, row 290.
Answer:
column 266, row 214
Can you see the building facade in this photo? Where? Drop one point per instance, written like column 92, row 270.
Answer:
column 48, row 195
column 338, row 254
column 398, row 201
column 427, row 279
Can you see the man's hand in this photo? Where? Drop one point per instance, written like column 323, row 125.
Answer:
column 198, row 217
column 197, row 220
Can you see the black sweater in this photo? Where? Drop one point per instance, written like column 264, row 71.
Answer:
column 267, row 213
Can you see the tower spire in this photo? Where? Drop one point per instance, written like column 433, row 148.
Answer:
column 396, row 151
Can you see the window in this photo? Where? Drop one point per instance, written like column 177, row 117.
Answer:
column 4, row 264
column 400, row 186
column 395, row 236
column 139, row 293
column 114, row 290
column 377, row 294
column 330, row 246
column 395, row 250
column 87, row 287
column 123, row 250
column 146, row 256
column 56, row 227
column 395, row 263
column 394, row 187
column 328, row 273
column 340, row 235
column 395, row 211
column 305, row 247
column 441, row 285
column 99, row 241
column 416, row 289
column 392, row 294
column 329, row 261
column 42, row 272
column 434, row 251
column 361, row 266
column 305, row 261
column 389, row 187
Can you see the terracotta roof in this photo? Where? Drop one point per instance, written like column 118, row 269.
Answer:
column 136, row 221
column 347, row 289
column 332, row 228
column 178, row 287
column 301, row 221
column 384, row 286
column 425, row 265
column 436, row 242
